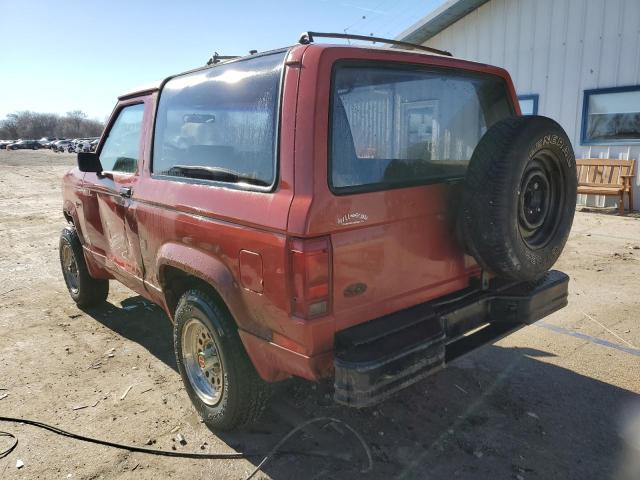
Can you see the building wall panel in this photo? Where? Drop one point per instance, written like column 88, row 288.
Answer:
column 557, row 49
column 527, row 22
column 629, row 64
column 498, row 13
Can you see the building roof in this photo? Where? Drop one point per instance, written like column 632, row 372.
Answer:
column 448, row 13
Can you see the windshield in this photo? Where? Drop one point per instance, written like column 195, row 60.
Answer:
column 397, row 126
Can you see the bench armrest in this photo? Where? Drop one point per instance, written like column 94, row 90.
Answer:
column 626, row 180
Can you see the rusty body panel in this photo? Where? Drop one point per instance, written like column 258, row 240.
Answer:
column 391, row 249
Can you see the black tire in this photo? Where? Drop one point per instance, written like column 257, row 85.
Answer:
column 244, row 395
column 85, row 290
column 519, row 197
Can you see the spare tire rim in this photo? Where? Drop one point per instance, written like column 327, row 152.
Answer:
column 202, row 363
column 540, row 199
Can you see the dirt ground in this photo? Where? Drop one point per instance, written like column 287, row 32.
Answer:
column 553, row 401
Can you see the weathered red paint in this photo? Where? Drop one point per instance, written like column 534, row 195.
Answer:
column 237, row 241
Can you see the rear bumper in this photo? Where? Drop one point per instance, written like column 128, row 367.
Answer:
column 376, row 359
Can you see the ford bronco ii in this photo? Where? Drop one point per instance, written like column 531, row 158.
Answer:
column 358, row 215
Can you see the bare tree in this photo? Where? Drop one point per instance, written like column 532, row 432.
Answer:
column 27, row 124
column 75, row 119
column 9, row 127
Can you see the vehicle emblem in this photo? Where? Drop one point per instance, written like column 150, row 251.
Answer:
column 353, row 218
column 355, row 289
column 201, row 360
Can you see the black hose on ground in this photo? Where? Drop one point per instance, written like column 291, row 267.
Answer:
column 10, row 449
column 168, row 453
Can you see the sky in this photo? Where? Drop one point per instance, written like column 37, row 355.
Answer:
column 63, row 55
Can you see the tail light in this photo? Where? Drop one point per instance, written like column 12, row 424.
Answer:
column 310, row 277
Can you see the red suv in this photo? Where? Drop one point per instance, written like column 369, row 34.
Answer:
column 331, row 212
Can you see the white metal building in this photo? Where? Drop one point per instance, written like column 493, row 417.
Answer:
column 576, row 61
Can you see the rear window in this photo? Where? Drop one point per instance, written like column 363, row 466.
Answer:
column 393, row 127
column 220, row 124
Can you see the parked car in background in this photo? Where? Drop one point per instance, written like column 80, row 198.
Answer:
column 80, row 145
column 83, row 145
column 91, row 142
column 71, row 148
column 60, row 145
column 5, row 143
column 93, row 145
column 25, row 144
column 47, row 142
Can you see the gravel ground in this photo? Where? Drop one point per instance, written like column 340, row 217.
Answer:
column 552, row 401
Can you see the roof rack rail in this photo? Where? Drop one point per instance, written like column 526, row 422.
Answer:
column 219, row 58
column 307, row 37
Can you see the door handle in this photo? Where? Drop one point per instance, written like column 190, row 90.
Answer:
column 125, row 192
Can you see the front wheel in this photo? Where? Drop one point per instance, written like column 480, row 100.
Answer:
column 218, row 375
column 85, row 290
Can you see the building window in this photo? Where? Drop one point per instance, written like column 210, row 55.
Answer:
column 611, row 115
column 528, row 104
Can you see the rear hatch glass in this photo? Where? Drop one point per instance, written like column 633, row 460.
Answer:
column 395, row 126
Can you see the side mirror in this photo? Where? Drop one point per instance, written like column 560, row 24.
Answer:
column 89, row 162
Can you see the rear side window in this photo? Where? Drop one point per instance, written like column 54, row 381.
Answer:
column 220, row 124
column 401, row 126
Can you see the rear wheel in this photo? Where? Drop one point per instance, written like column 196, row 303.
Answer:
column 218, row 375
column 85, row 290
column 519, row 197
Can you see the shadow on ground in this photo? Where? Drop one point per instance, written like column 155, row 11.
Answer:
column 496, row 413
column 142, row 322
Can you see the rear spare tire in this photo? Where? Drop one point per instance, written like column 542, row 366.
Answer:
column 519, row 197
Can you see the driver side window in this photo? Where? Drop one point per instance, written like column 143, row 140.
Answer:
column 122, row 147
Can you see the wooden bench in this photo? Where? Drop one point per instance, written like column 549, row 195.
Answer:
column 606, row 176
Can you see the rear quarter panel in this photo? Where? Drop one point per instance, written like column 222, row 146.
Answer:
column 201, row 229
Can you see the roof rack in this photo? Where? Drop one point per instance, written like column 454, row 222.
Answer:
column 219, row 58
column 307, row 37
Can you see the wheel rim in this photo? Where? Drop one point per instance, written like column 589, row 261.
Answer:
column 201, row 359
column 540, row 199
column 70, row 268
